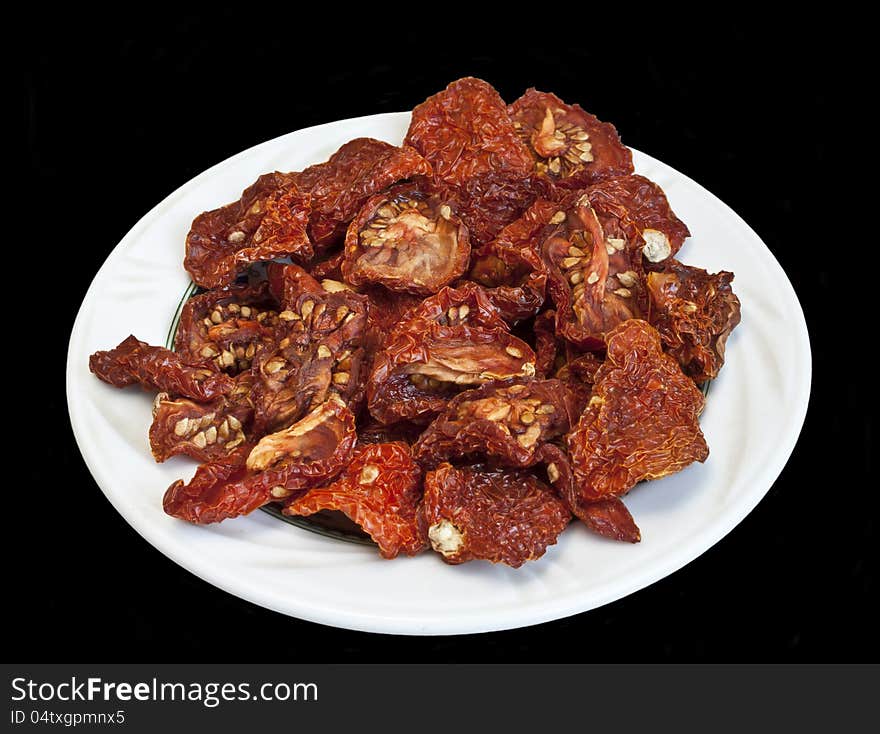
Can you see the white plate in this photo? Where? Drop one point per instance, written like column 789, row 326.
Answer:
column 752, row 419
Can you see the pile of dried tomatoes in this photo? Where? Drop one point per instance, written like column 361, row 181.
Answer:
column 475, row 337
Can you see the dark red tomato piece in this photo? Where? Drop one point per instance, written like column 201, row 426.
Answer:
column 341, row 186
column 646, row 205
column 305, row 455
column 641, row 421
column 694, row 311
column 507, row 422
column 570, row 147
column 269, row 221
column 407, row 240
column 381, row 491
column 502, row 516
column 478, row 159
column 135, row 362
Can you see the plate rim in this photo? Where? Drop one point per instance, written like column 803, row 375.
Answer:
column 474, row 621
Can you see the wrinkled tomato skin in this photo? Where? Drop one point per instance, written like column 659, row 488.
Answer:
column 642, row 419
column 478, row 160
column 381, row 491
column 501, row 516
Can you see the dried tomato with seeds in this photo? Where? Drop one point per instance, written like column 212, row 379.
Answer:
column 479, row 161
column 317, row 352
column 226, row 326
column 694, row 311
column 647, row 206
column 407, row 240
column 507, row 422
column 512, row 265
column 642, row 419
column 204, row 431
column 595, row 273
column 424, row 363
column 608, row 517
column 268, row 221
column 571, row 148
column 308, row 454
column 465, row 305
column 341, row 186
column 381, row 491
column 502, row 516
column 156, row 368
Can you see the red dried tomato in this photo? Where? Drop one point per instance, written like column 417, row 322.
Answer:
column 479, row 161
column 407, row 240
column 287, row 282
column 507, row 422
column 155, row 368
column 268, row 221
column 330, row 268
column 694, row 313
column 204, row 431
column 502, row 516
column 642, row 419
column 571, row 147
column 381, row 491
column 308, row 454
column 341, row 186
column 608, row 517
column 646, row 205
column 512, row 263
column 317, row 352
column 226, row 326
column 437, row 353
column 595, row 273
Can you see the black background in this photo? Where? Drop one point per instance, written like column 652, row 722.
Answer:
column 115, row 123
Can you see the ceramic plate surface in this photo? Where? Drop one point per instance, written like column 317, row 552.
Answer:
column 751, row 422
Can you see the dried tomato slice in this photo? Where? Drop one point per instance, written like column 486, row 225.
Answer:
column 465, row 305
column 216, row 491
column 308, row 454
column 317, row 352
column 268, row 221
column 646, row 205
column 512, row 263
column 479, row 161
column 204, row 431
column 571, row 147
column 381, row 491
column 503, row 516
column 287, row 282
column 642, row 420
column 226, row 326
column 156, row 368
column 424, row 363
column 694, row 313
column 406, row 240
column 341, row 186
column 608, row 517
column 507, row 422
column 595, row 273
